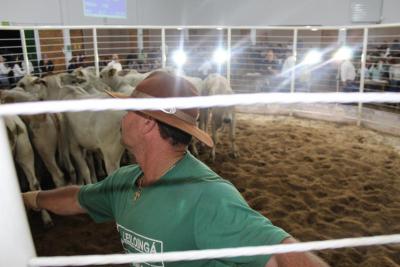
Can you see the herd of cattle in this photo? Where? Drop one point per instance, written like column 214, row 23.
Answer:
column 70, row 144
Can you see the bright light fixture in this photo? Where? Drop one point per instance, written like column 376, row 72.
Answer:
column 179, row 57
column 344, row 53
column 220, row 56
column 312, row 57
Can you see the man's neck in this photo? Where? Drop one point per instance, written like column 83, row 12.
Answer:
column 156, row 165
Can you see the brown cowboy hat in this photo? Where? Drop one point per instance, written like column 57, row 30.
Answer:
column 161, row 84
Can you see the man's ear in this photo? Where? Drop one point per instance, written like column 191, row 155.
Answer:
column 149, row 124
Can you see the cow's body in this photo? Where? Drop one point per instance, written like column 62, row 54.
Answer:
column 93, row 131
column 216, row 84
column 24, row 156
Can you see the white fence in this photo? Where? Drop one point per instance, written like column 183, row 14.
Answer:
column 258, row 56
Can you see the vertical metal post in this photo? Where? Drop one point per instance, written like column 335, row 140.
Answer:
column 339, row 63
column 67, row 46
column 163, row 50
column 362, row 75
column 293, row 71
column 37, row 44
column 16, row 246
column 95, row 52
column 228, row 62
column 25, row 52
column 139, row 38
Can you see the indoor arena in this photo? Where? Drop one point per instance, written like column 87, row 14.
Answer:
column 200, row 133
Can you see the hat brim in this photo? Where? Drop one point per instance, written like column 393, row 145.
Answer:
column 172, row 120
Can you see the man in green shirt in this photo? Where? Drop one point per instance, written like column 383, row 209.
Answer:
column 169, row 200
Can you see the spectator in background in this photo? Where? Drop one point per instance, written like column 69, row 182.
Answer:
column 46, row 66
column 347, row 76
column 80, row 61
column 30, row 69
column 289, row 63
column 394, row 76
column 367, row 74
column 5, row 72
column 131, row 62
column 114, row 63
column 18, row 71
column 271, row 65
column 288, row 68
column 376, row 70
column 72, row 64
column 395, row 48
column 271, row 68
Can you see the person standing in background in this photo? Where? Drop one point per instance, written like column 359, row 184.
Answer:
column 394, row 76
column 26, row 69
column 347, row 76
column 5, row 72
column 46, row 66
column 114, row 63
column 270, row 69
column 17, row 69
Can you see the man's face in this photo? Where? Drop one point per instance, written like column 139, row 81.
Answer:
column 131, row 131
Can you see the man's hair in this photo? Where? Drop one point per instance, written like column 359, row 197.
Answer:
column 174, row 135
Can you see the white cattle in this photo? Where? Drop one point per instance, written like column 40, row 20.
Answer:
column 123, row 82
column 215, row 84
column 46, row 135
column 197, row 83
column 88, row 80
column 23, row 154
column 93, row 131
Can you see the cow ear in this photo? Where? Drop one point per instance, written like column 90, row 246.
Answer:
column 40, row 82
column 112, row 72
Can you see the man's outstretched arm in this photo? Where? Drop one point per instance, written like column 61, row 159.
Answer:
column 300, row 259
column 61, row 201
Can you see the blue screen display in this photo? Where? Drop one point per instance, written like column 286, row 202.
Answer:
column 105, row 8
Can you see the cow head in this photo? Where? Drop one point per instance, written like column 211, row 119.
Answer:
column 222, row 115
column 77, row 78
column 34, row 85
column 109, row 76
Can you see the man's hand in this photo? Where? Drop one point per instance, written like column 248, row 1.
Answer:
column 299, row 259
column 30, row 200
column 61, row 201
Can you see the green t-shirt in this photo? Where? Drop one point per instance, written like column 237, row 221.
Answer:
column 189, row 208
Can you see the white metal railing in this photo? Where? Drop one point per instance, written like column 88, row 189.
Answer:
column 149, row 47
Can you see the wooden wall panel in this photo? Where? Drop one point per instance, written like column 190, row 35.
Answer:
column 116, row 41
column 52, row 45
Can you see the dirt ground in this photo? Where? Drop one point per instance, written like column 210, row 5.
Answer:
column 317, row 180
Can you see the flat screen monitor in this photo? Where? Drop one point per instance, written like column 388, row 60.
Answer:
column 105, row 8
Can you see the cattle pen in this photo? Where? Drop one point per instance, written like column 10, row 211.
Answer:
column 309, row 90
